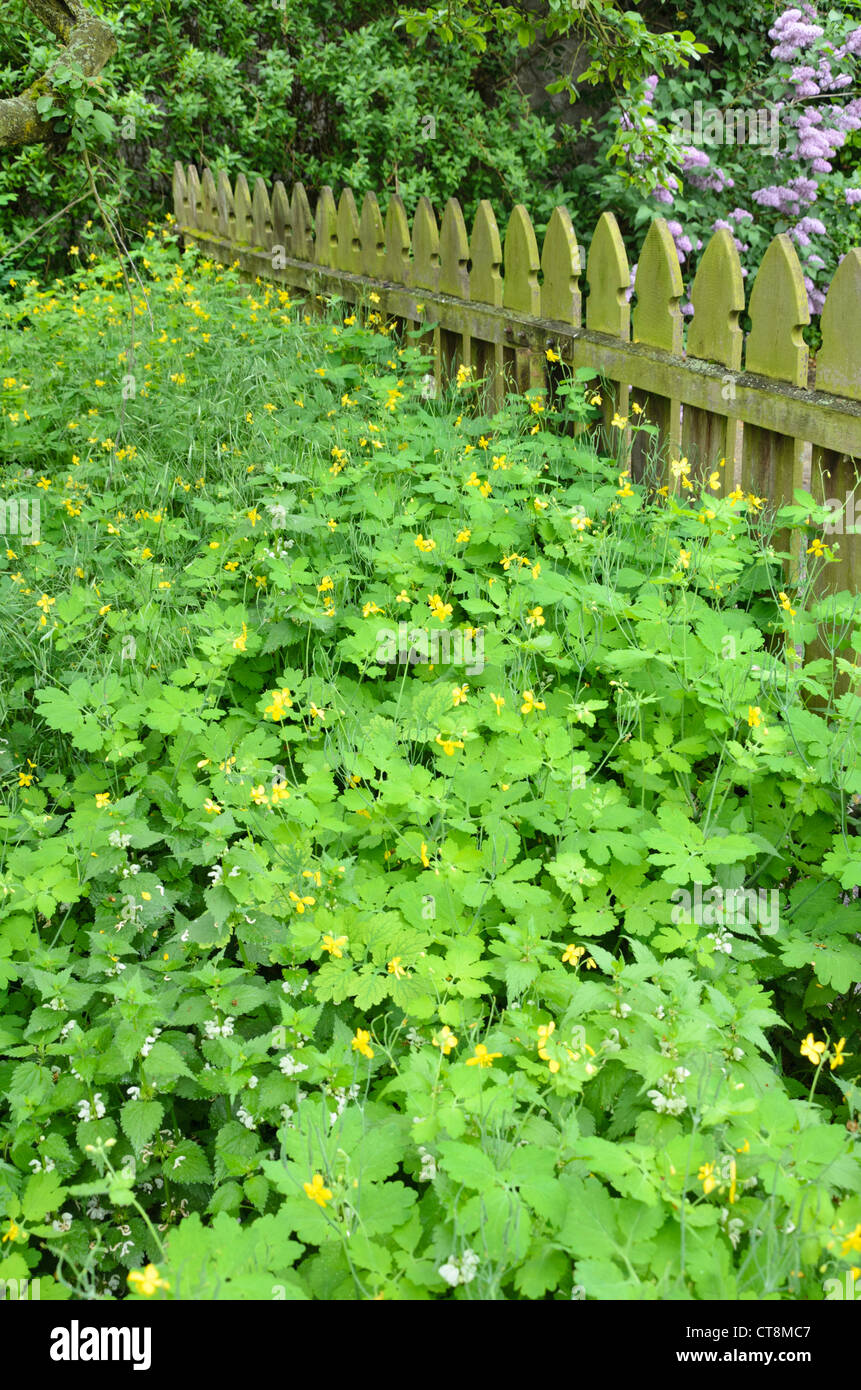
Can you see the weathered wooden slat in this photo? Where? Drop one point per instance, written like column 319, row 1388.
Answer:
column 224, row 200
column 372, row 237
column 349, row 252
column 657, row 321
column 397, row 260
column 453, row 280
column 485, row 287
column 280, row 206
column 209, row 202
column 242, row 211
column 301, row 225
column 195, row 206
column 180, row 195
column 521, row 292
column 715, row 336
column 560, row 270
column 772, row 460
column 425, row 239
column 326, row 229
column 261, row 216
column 834, row 474
column 607, row 309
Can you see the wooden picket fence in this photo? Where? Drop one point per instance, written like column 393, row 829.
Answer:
column 497, row 306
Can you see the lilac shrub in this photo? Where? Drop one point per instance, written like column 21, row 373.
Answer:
column 794, row 186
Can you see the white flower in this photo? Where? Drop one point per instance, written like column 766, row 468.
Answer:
column 215, row 874
column 180, row 1158
column 252, row 1082
column 84, row 1112
column 428, row 1172
column 227, row 1027
column 659, row 1100
column 450, row 1273
column 737, row 1054
column 118, row 840
column 289, row 1065
column 64, row 1223
column 659, row 1011
column 468, row 1265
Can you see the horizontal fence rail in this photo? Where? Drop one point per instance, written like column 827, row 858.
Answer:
column 497, row 306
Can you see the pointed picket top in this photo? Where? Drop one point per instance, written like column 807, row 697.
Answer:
column 301, row 225
column 261, row 213
column 242, row 210
column 778, row 313
column 659, row 288
column 180, row 195
column 349, row 253
column 326, row 229
column 718, row 299
column 454, row 252
column 607, row 309
column 425, row 268
column 224, row 202
column 838, row 362
column 560, row 268
column 520, row 289
column 195, row 205
column 485, row 250
column 209, row 201
column 372, row 236
column 397, row 257
column 281, row 217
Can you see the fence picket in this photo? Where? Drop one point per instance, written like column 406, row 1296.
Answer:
column 372, row 237
column 772, row 460
column 715, row 336
column 657, row 321
column 838, row 370
column 521, row 292
column 485, row 287
column 301, row 225
column 607, row 308
column 349, row 251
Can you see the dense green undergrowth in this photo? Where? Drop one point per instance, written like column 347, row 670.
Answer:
column 329, row 973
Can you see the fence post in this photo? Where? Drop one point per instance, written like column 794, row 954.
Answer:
column 485, row 287
column 454, row 280
column 607, row 308
column 521, row 292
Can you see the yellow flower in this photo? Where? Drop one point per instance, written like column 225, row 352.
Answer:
column 463, row 536
column 458, row 694
column 146, row 1281
column 481, row 1057
column 395, row 968
column 837, row 1057
column 318, row 714
column 211, row 807
column 572, row 953
column 25, row 779
column 534, row 617
column 370, row 608
column 706, row 1176
column 754, row 716
column 325, row 583
column 239, row 643
column 361, row 1041
column 499, row 701
column 595, row 400
column 544, row 1033
column 551, row 355
column 424, row 543
column 812, row 1050
column 530, row 703
column 258, row 795
column 785, row 604
column 445, row 1040
column 13, row 1232
column 816, row 547
column 317, row 1191
column 685, row 558
column 333, row 945
column 402, row 597
column 281, row 702
column 852, row 1241
column 619, row 421
column 300, row 903
column 423, row 855
column 448, row 745
column 102, row 800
